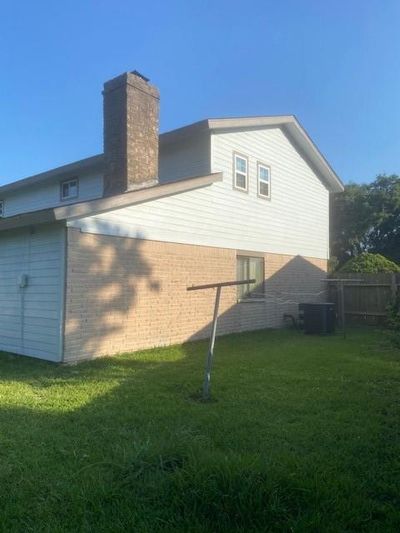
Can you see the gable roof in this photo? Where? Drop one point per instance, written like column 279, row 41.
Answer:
column 102, row 205
column 288, row 123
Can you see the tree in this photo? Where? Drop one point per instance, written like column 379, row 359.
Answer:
column 350, row 221
column 366, row 218
column 369, row 263
column 384, row 200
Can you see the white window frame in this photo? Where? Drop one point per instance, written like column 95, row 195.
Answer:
column 2, row 204
column 245, row 174
column 246, row 292
column 68, row 182
column 259, row 180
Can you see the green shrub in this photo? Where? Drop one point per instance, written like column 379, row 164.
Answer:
column 370, row 264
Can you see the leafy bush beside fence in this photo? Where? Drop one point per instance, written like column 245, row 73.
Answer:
column 369, row 264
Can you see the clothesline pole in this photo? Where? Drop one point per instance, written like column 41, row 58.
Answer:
column 210, row 353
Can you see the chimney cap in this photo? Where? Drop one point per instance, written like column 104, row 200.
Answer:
column 134, row 79
column 137, row 73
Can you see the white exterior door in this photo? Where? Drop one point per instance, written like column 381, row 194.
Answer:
column 31, row 291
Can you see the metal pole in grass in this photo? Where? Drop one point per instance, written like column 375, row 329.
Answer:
column 210, row 354
column 207, row 375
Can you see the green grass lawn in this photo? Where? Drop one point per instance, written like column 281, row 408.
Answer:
column 303, row 435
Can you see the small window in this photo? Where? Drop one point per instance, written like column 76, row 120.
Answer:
column 1, row 208
column 240, row 172
column 250, row 268
column 264, row 181
column 69, row 189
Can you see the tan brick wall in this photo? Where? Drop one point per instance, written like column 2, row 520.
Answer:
column 125, row 294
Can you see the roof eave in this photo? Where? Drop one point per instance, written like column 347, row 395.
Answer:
column 84, row 165
column 289, row 124
column 103, row 205
column 216, row 124
column 197, row 128
column 315, row 157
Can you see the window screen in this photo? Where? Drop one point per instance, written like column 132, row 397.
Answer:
column 250, row 268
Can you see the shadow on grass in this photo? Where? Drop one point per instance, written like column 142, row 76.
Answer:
column 301, row 437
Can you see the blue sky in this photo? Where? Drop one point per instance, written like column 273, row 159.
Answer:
column 333, row 63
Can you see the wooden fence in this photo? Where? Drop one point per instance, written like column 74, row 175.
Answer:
column 366, row 296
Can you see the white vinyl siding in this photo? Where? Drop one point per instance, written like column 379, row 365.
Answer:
column 48, row 195
column 30, row 316
column 295, row 221
column 186, row 158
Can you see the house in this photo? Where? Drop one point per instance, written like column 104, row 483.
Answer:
column 96, row 256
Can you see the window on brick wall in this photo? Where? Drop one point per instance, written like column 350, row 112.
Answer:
column 249, row 267
column 1, row 208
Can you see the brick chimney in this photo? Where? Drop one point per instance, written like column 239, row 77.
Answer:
column 130, row 133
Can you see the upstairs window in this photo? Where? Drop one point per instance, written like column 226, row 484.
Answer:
column 250, row 268
column 240, row 172
column 264, row 181
column 69, row 189
column 1, row 208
